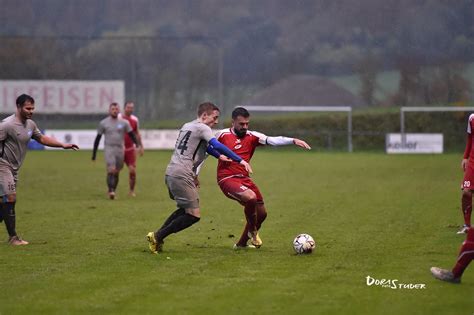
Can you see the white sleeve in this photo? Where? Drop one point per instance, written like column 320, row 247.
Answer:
column 262, row 139
column 471, row 117
column 276, row 141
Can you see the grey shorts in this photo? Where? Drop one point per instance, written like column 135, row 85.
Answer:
column 183, row 191
column 7, row 180
column 114, row 157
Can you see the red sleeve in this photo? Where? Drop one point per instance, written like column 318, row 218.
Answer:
column 468, row 146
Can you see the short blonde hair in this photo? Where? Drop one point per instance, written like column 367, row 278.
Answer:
column 207, row 107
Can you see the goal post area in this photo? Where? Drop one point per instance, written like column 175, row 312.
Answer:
column 293, row 109
column 411, row 109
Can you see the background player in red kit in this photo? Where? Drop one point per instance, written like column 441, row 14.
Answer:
column 467, row 165
column 130, row 157
column 234, row 180
column 466, row 255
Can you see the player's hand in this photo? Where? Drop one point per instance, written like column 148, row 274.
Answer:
column 247, row 166
column 464, row 164
column 196, row 182
column 224, row 158
column 70, row 146
column 301, row 143
column 140, row 150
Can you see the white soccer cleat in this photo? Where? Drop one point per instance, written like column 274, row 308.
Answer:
column 248, row 246
column 463, row 229
column 444, row 275
column 16, row 241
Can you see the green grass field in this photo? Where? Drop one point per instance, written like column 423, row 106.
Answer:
column 388, row 217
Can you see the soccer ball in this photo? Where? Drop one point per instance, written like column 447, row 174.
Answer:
column 304, row 244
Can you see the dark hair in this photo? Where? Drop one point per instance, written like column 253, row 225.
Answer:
column 206, row 108
column 22, row 99
column 240, row 111
column 113, row 104
column 127, row 102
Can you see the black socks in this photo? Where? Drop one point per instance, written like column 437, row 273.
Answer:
column 174, row 215
column 179, row 223
column 112, row 181
column 8, row 215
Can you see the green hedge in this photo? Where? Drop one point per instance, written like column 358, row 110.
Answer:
column 329, row 131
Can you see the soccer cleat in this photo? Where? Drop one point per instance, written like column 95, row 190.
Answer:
column 132, row 194
column 463, row 229
column 111, row 195
column 240, row 247
column 16, row 241
column 155, row 245
column 444, row 275
column 255, row 239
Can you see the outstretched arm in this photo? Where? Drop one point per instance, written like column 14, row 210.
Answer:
column 277, row 141
column 51, row 142
column 96, row 146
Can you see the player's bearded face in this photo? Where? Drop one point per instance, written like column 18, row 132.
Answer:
column 240, row 125
column 129, row 109
column 27, row 110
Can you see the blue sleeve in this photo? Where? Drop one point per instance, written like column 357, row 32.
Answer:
column 211, row 151
column 219, row 147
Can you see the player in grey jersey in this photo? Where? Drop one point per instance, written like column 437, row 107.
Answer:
column 114, row 129
column 182, row 171
column 15, row 133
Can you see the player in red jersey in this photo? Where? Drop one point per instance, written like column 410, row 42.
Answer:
column 466, row 255
column 234, row 180
column 467, row 186
column 130, row 157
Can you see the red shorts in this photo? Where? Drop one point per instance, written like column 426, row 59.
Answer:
column 232, row 187
column 130, row 157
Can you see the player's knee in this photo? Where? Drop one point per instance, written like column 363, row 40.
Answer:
column 467, row 193
column 195, row 212
column 249, row 196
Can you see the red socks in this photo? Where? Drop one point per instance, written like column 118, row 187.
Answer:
column 255, row 213
column 467, row 208
column 466, row 254
column 251, row 214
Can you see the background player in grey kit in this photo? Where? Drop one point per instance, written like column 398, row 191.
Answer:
column 113, row 128
column 15, row 133
column 181, row 173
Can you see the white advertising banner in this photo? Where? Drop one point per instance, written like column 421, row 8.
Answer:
column 83, row 138
column 414, row 143
column 152, row 139
column 63, row 97
column 159, row 139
